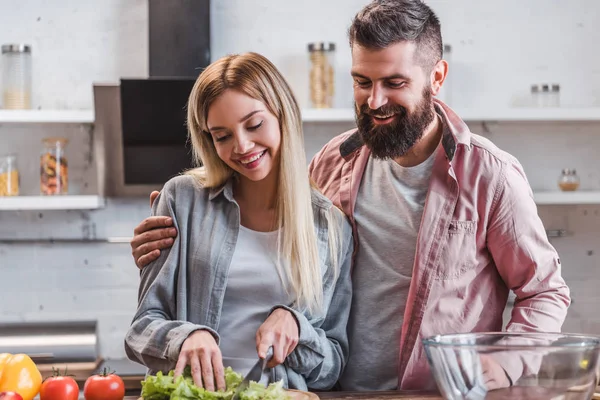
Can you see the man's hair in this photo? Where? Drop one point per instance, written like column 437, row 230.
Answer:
column 383, row 23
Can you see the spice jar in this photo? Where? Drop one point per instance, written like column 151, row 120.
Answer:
column 9, row 175
column 321, row 74
column 54, row 170
column 568, row 181
column 16, row 76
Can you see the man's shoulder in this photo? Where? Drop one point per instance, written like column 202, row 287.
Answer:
column 331, row 151
column 486, row 150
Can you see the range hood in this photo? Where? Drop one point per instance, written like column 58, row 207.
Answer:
column 140, row 134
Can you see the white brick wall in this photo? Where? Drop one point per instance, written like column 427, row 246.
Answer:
column 500, row 48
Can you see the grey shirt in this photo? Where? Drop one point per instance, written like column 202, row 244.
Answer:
column 388, row 214
column 183, row 290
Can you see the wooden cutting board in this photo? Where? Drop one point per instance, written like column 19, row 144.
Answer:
column 295, row 395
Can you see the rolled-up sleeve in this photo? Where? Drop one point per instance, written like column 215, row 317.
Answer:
column 155, row 336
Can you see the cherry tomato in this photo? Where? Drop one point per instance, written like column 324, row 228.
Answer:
column 104, row 386
column 59, row 388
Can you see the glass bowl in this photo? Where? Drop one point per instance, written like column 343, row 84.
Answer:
column 494, row 365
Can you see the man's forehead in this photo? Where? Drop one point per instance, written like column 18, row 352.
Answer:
column 394, row 59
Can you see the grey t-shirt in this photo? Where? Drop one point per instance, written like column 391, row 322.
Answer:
column 388, row 214
column 254, row 286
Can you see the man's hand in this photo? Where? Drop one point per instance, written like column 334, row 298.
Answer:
column 280, row 330
column 494, row 375
column 150, row 236
column 201, row 352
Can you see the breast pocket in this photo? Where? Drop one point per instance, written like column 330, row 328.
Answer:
column 460, row 254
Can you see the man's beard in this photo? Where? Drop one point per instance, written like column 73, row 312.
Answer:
column 396, row 138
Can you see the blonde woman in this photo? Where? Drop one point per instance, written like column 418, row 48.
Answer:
column 261, row 259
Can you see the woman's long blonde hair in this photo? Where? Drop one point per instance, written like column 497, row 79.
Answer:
column 256, row 77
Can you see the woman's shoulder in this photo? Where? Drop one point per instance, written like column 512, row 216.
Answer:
column 322, row 205
column 186, row 186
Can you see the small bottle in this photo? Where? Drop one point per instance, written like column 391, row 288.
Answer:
column 545, row 95
column 16, row 76
column 322, row 82
column 536, row 98
column 9, row 175
column 568, row 180
column 555, row 95
column 54, row 169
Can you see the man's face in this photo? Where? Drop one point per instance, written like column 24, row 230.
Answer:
column 393, row 98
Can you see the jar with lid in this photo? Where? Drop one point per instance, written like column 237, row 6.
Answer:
column 321, row 74
column 16, row 76
column 9, row 175
column 54, row 169
column 568, row 180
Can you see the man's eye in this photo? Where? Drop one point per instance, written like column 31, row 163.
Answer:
column 362, row 83
column 395, row 85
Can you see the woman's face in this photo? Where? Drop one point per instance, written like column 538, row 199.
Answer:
column 246, row 135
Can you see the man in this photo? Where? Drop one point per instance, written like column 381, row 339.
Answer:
column 444, row 222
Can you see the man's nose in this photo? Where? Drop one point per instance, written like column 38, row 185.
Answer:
column 377, row 98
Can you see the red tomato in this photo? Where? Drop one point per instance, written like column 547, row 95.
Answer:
column 59, row 388
column 10, row 396
column 105, row 386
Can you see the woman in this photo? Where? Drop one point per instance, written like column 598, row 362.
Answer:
column 262, row 259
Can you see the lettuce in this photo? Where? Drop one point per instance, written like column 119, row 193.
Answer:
column 166, row 387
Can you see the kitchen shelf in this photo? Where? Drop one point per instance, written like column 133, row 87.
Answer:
column 558, row 198
column 506, row 115
column 47, row 116
column 51, row 203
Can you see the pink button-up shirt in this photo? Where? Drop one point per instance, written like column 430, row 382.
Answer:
column 480, row 237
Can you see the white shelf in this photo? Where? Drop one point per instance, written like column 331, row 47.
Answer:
column 327, row 115
column 51, row 203
column 558, row 198
column 47, row 116
column 507, row 115
column 532, row 114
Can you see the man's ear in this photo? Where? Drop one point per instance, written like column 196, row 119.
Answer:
column 438, row 76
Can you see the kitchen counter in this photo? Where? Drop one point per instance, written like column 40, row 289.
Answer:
column 392, row 395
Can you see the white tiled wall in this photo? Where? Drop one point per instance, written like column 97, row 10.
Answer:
column 499, row 49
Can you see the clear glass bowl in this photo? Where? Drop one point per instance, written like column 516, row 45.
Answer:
column 544, row 366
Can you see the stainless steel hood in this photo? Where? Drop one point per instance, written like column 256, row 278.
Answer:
column 140, row 134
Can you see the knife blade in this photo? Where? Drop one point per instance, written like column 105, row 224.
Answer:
column 254, row 375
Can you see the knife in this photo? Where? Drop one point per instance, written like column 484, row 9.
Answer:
column 254, row 375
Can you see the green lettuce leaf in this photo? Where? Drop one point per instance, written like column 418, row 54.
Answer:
column 165, row 387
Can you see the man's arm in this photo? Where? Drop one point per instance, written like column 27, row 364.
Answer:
column 526, row 261
column 151, row 236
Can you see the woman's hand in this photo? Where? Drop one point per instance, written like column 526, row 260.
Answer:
column 201, row 352
column 280, row 330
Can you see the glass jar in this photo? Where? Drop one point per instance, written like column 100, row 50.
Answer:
column 555, row 95
column 321, row 74
column 9, row 175
column 536, row 97
column 16, row 76
column 54, row 170
column 568, row 180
